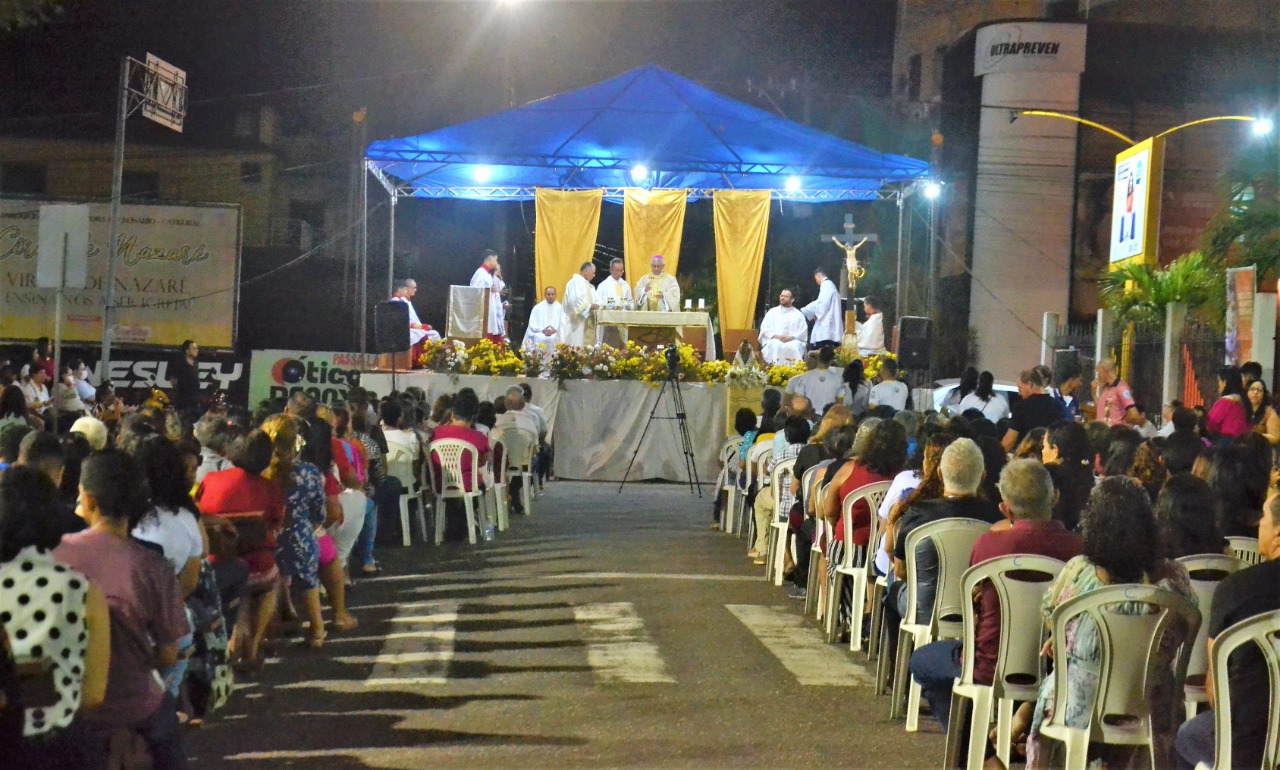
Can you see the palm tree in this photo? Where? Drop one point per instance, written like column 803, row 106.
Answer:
column 1139, row 293
column 1247, row 230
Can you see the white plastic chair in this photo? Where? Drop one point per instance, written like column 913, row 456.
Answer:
column 400, row 467
column 449, row 484
column 953, row 540
column 727, row 481
column 501, row 480
column 1019, row 666
column 1207, row 571
column 1245, row 549
column 1129, row 642
column 855, row 564
column 757, row 456
column 1264, row 631
column 776, row 558
column 519, row 448
column 745, row 522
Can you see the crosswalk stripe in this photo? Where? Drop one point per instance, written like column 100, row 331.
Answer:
column 423, row 657
column 619, row 648
column 799, row 648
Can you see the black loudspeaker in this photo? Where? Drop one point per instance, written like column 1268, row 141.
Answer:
column 915, row 342
column 391, row 327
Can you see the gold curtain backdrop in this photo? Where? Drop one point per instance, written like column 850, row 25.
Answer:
column 652, row 223
column 567, row 224
column 741, row 225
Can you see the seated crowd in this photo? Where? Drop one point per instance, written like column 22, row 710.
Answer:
column 145, row 562
column 1115, row 504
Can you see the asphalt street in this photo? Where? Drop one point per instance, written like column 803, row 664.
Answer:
column 604, row 630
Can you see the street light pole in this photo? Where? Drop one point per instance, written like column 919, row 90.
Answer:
column 113, row 226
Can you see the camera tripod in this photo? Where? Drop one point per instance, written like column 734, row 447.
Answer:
column 682, row 423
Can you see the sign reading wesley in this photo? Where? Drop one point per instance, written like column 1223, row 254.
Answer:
column 175, row 279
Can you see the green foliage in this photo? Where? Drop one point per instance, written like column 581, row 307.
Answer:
column 15, row 14
column 1247, row 230
column 1139, row 293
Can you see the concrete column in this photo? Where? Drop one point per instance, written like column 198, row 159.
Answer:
column 1048, row 330
column 1024, row 187
column 1105, row 321
column 1175, row 317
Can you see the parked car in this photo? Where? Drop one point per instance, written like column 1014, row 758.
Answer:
column 943, row 388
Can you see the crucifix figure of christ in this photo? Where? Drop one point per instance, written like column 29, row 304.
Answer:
column 852, row 269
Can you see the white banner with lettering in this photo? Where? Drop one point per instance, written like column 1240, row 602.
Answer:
column 1029, row 46
column 176, row 277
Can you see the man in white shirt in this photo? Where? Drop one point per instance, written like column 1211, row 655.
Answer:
column 658, row 290
column 402, row 290
column 871, row 331
column 542, row 468
column 579, row 304
column 828, row 326
column 1136, row 417
column 820, row 385
column 783, row 332
column 613, row 291
column 889, row 391
column 486, row 277
column 35, row 391
column 517, row 415
column 546, row 322
column 392, row 418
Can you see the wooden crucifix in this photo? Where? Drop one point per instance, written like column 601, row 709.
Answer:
column 850, row 243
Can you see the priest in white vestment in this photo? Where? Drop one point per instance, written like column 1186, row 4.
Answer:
column 546, row 324
column 485, row 277
column 783, row 332
column 658, row 290
column 871, row 331
column 828, row 326
column 402, row 290
column 614, row 291
column 579, row 304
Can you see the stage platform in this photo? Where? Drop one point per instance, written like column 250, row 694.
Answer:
column 596, row 425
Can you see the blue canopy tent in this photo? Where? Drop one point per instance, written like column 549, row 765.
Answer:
column 681, row 134
column 678, row 133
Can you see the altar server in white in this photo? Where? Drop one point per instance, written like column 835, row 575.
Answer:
column 828, row 326
column 783, row 332
column 658, row 290
column 871, row 331
column 486, row 277
column 546, row 323
column 613, row 290
column 579, row 304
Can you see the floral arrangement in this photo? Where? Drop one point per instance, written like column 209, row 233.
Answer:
column 747, row 376
column 444, row 356
column 603, row 362
column 871, row 364
column 780, row 374
column 487, row 357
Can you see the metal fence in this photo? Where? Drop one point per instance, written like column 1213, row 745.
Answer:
column 1204, row 349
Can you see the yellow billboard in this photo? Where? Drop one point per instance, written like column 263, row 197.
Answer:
column 1135, row 208
column 176, row 276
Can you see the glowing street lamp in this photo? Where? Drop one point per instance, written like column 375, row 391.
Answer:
column 793, row 184
column 639, row 172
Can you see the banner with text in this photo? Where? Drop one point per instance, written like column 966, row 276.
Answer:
column 325, row 376
column 176, row 276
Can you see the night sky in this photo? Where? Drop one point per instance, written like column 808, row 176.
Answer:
column 419, row 65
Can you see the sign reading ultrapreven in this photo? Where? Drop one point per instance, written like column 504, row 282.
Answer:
column 175, row 278
column 1029, row 47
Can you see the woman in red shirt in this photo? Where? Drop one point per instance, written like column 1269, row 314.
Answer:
column 1229, row 417
column 879, row 458
column 242, row 489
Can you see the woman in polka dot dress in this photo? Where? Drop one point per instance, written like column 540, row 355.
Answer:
column 53, row 617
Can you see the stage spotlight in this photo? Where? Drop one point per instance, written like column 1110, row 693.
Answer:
column 639, row 172
column 1263, row 126
column 932, row 190
column 793, row 183
column 482, row 174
